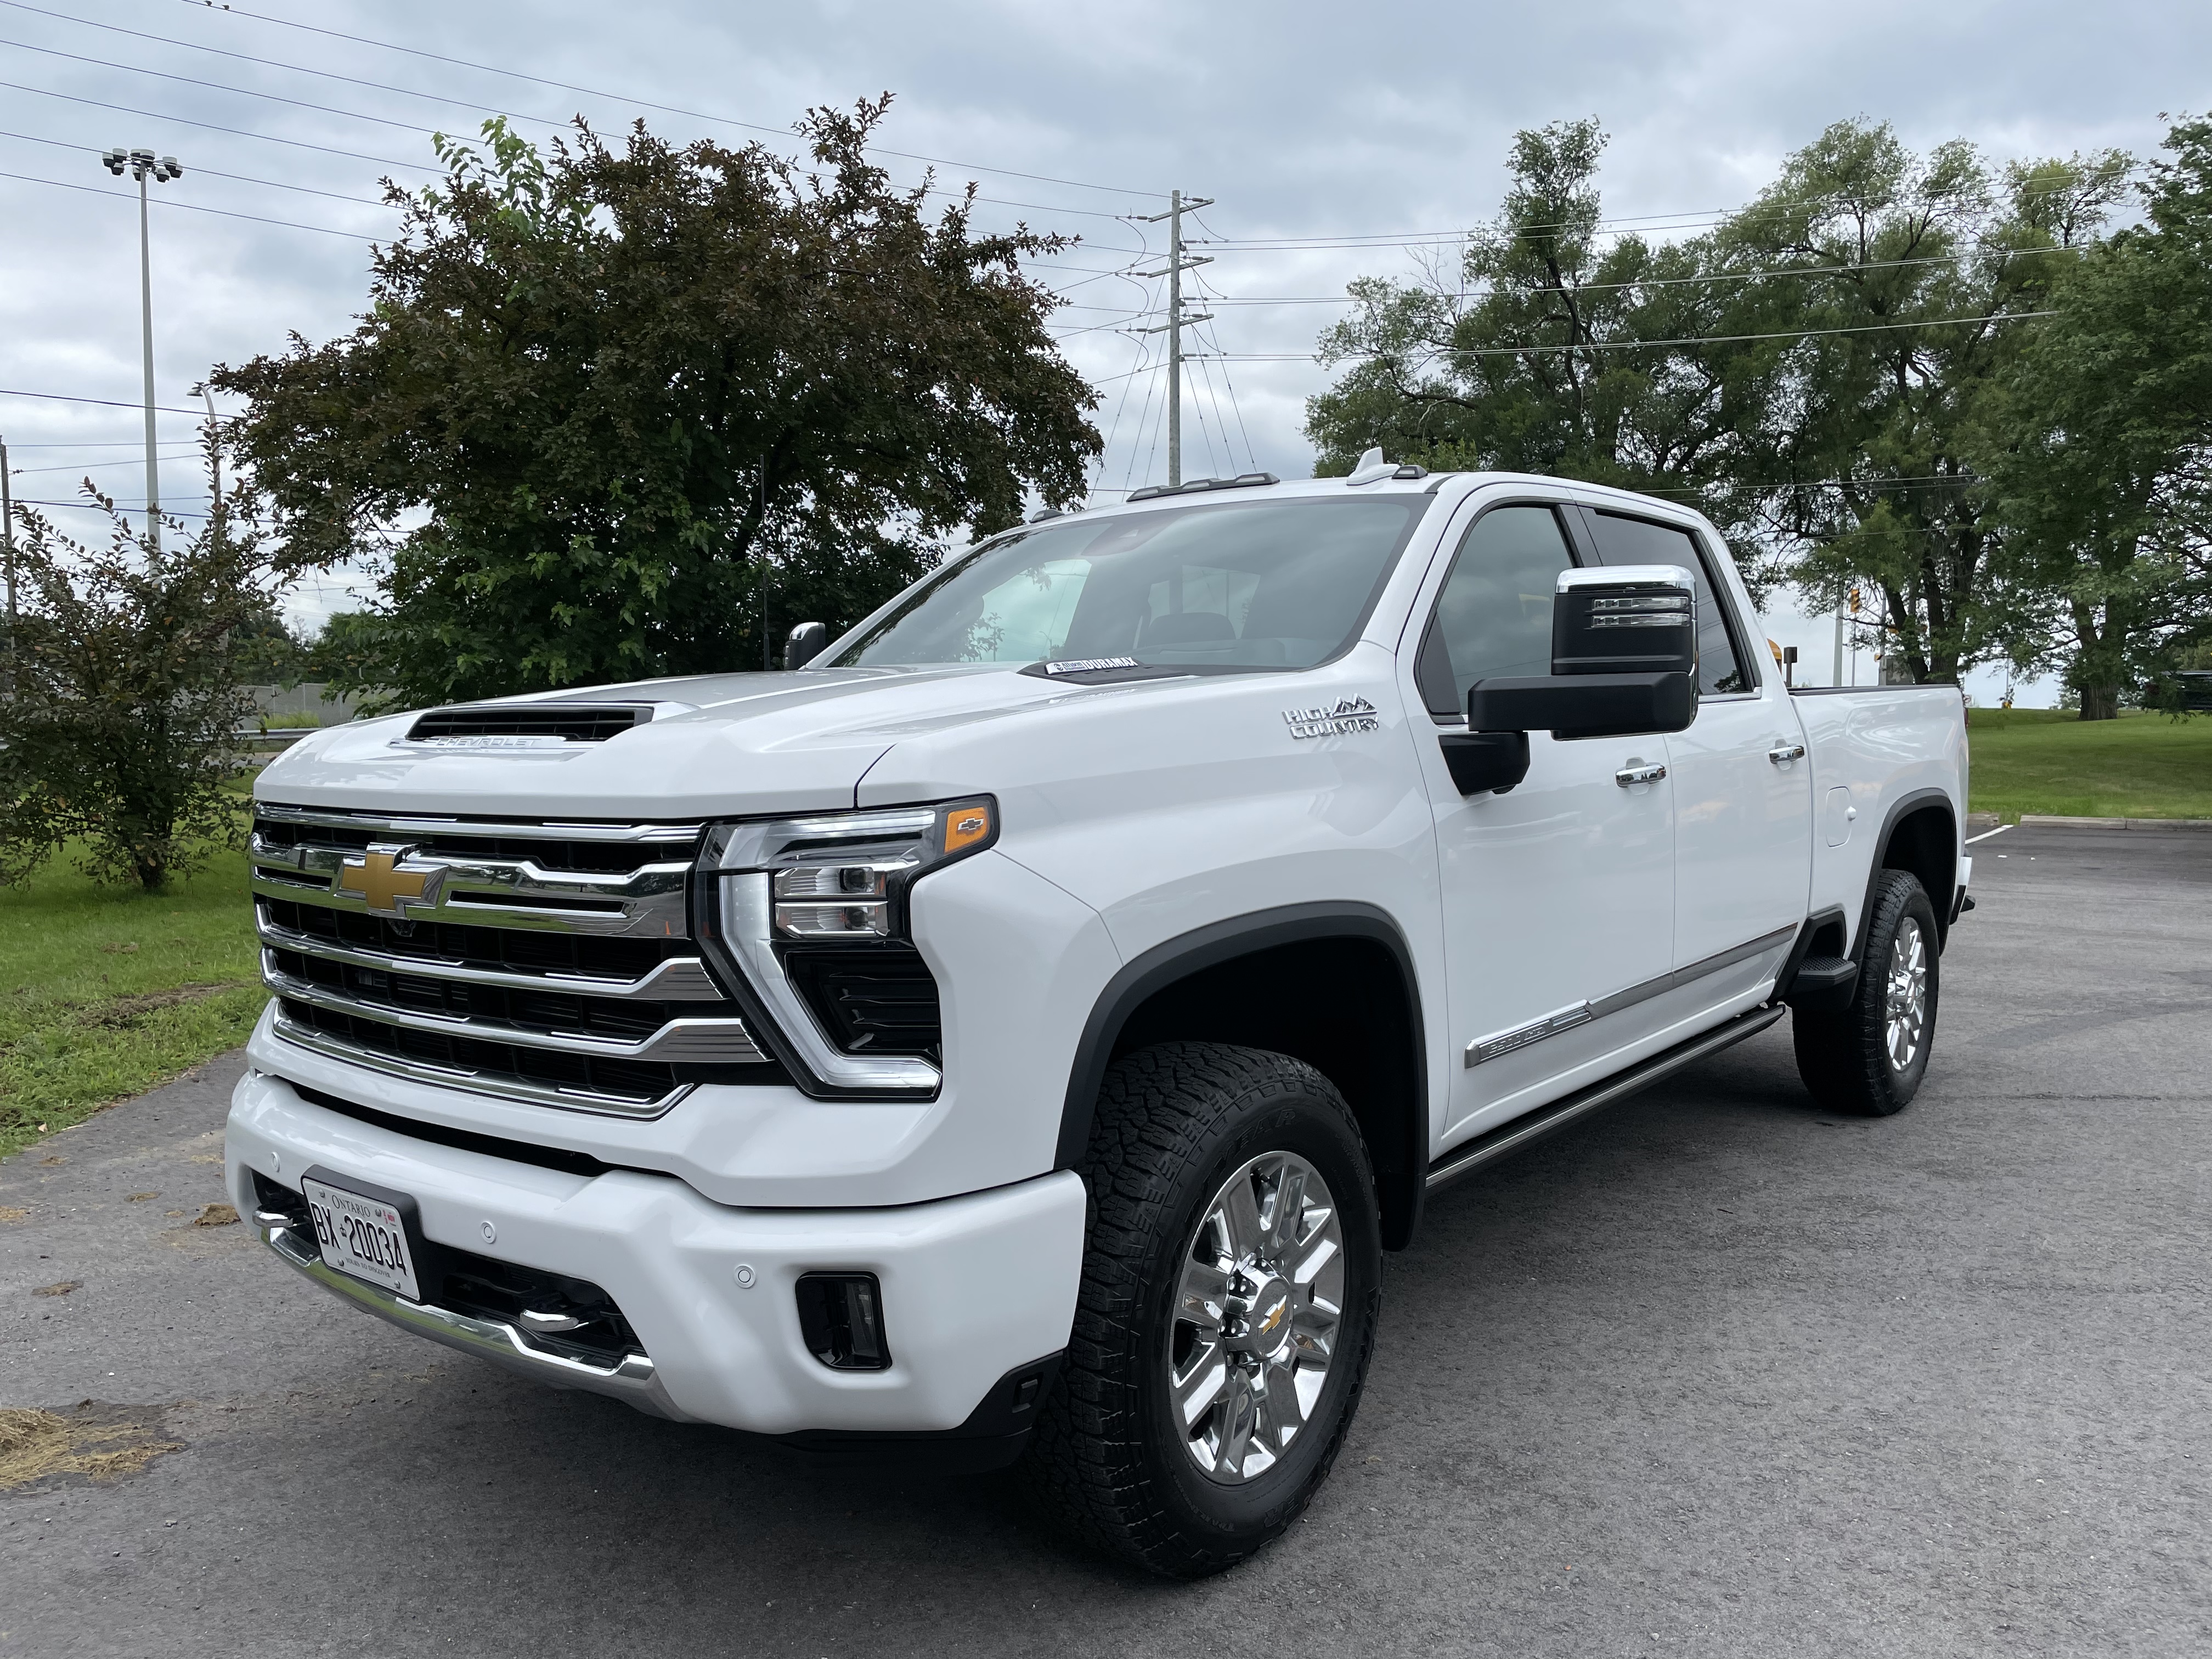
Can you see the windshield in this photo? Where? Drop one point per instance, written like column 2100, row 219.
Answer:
column 1281, row 584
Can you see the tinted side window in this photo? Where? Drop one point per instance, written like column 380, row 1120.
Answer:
column 1638, row 541
column 1493, row 618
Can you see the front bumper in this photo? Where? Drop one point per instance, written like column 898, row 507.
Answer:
column 974, row 1287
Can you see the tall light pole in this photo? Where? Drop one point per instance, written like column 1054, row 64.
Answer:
column 144, row 164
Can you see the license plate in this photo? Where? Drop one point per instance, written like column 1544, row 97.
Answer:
column 364, row 1237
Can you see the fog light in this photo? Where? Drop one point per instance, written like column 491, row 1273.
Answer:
column 841, row 1316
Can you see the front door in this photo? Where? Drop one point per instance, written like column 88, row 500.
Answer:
column 1560, row 893
column 1743, row 785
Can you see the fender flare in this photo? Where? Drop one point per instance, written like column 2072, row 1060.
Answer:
column 1902, row 808
column 1221, row 941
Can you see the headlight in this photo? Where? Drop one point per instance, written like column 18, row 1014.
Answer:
column 845, row 875
column 795, row 898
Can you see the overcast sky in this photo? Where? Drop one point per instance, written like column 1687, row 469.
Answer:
column 1387, row 122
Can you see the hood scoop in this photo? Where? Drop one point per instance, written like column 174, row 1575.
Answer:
column 527, row 726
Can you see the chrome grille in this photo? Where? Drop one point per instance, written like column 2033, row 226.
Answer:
column 542, row 961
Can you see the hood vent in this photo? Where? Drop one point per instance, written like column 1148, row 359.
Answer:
column 536, row 724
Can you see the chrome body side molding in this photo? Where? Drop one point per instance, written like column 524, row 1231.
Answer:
column 1581, row 1014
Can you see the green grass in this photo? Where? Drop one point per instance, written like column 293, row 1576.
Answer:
column 2047, row 761
column 107, row 991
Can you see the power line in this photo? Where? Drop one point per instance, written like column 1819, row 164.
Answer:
column 1642, row 345
column 206, row 172
column 189, row 207
column 110, row 403
column 215, row 86
column 210, row 126
column 668, row 109
column 94, row 506
column 93, row 466
column 409, row 126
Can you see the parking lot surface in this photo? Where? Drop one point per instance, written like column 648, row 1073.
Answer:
column 1711, row 1375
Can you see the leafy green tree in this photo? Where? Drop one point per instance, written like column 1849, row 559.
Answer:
column 1916, row 283
column 2102, row 462
column 120, row 727
column 608, row 406
column 1814, row 373
column 1553, row 347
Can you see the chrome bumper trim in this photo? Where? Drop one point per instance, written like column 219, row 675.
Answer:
column 503, row 1085
column 634, row 1378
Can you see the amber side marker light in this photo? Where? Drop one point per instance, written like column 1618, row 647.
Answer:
column 967, row 822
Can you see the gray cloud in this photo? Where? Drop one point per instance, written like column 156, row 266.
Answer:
column 1301, row 119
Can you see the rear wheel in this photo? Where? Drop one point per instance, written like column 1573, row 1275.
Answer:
column 1228, row 1306
column 1868, row 1058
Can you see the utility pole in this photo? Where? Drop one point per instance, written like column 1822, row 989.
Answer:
column 1177, row 263
column 144, row 164
column 1836, row 674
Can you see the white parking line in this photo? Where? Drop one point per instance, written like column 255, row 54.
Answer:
column 1986, row 834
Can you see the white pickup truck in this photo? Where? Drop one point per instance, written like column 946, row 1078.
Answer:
column 1017, row 1029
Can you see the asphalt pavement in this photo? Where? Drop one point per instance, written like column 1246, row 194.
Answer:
column 1711, row 1375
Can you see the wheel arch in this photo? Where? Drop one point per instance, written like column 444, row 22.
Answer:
column 1332, row 984
column 1920, row 835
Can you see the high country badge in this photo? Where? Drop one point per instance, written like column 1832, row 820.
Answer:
column 1350, row 714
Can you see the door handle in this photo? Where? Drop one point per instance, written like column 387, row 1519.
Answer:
column 1782, row 753
column 1638, row 771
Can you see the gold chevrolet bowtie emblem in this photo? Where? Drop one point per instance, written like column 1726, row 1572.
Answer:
column 376, row 878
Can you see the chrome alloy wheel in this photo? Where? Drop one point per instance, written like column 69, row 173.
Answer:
column 1256, row 1316
column 1905, row 1011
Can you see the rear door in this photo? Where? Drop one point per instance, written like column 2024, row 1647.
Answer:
column 1743, row 787
column 1560, row 893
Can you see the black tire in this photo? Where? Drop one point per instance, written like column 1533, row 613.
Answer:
column 1845, row 1055
column 1173, row 1124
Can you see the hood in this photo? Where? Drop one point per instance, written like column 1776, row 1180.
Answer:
column 718, row 743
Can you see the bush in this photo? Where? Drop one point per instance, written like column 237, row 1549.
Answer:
column 119, row 727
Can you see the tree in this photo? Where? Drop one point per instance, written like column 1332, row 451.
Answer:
column 1814, row 373
column 607, row 405
column 121, row 729
column 1915, row 283
column 1551, row 349
column 2102, row 463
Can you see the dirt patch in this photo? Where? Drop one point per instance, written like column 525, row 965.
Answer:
column 126, row 1011
column 12, row 1213
column 62, row 1289
column 90, row 1444
column 138, row 1198
column 215, row 1215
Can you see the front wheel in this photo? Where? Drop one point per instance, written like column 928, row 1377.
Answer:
column 1869, row 1057
column 1228, row 1306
